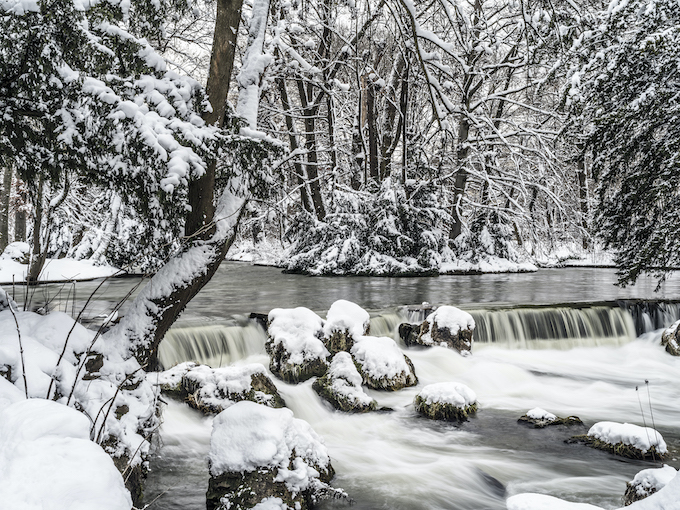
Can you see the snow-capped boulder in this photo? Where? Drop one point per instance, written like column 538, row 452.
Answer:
column 295, row 344
column 448, row 401
column 212, row 390
column 626, row 440
column 341, row 386
column 262, row 457
column 345, row 321
column 447, row 326
column 540, row 418
column 670, row 339
column 647, row 482
column 382, row 364
column 48, row 461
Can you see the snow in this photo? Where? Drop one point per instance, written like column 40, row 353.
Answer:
column 451, row 393
column 250, row 436
column 490, row 264
column 642, row 438
column 345, row 315
column 299, row 331
column 543, row 502
column 271, row 504
column 47, row 461
column 172, row 377
column 668, row 498
column 540, row 414
column 379, row 357
column 652, row 480
column 346, row 380
column 44, row 338
column 56, row 270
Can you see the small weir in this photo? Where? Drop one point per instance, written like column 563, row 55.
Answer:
column 219, row 343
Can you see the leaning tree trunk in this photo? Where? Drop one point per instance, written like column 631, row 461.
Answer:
column 38, row 253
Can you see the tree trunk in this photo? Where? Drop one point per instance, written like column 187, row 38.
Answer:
column 311, row 148
column 460, row 180
column 212, row 227
column 292, row 139
column 373, row 163
column 583, row 198
column 38, row 253
column 4, row 207
column 201, row 193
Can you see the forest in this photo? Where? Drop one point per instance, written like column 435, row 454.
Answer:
column 382, row 138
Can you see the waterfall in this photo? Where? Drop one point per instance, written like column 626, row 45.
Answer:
column 554, row 328
column 651, row 315
column 215, row 344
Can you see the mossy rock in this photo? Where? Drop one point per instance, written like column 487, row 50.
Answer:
column 339, row 341
column 242, row 491
column 569, row 421
column 410, row 333
column 398, row 382
column 443, row 411
column 262, row 391
column 632, row 495
column 324, row 388
column 620, row 449
column 293, row 373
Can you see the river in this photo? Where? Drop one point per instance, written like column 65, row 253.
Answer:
column 398, row 460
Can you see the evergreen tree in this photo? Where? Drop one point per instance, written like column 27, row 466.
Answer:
column 627, row 91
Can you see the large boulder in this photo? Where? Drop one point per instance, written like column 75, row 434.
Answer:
column 341, row 386
column 345, row 321
column 261, row 456
column 540, row 418
column 625, row 440
column 447, row 401
column 382, row 364
column 296, row 345
column 670, row 339
column 447, row 326
column 647, row 482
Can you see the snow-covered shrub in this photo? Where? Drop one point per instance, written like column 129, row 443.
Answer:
column 295, row 344
column 18, row 251
column 47, row 459
column 446, row 401
column 626, row 440
column 341, row 386
column 540, row 418
column 647, row 482
column 258, row 454
column 487, row 246
column 345, row 321
column 382, row 364
column 67, row 363
column 384, row 233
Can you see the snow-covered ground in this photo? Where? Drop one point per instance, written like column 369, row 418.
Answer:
column 56, row 270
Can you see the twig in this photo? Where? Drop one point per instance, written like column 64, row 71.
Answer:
column 21, row 350
column 645, row 423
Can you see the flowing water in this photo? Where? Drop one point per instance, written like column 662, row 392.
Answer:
column 566, row 340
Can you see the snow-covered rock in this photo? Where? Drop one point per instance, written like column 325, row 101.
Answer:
column 447, row 326
column 170, row 380
column 626, row 440
column 670, row 339
column 212, row 390
column 341, row 386
column 47, row 461
column 382, row 364
column 267, row 457
column 448, row 401
column 647, row 482
column 540, row 418
column 345, row 321
column 295, row 344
